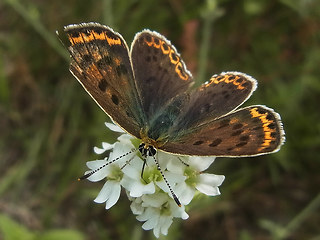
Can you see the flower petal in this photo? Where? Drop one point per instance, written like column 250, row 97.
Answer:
column 114, row 196
column 101, row 173
column 155, row 200
column 138, row 189
column 208, row 183
column 165, row 222
column 172, row 179
column 150, row 223
column 184, row 215
column 105, row 147
column 176, row 166
column 114, row 127
column 178, row 212
column 156, row 231
column 106, row 191
column 201, row 163
column 211, row 179
column 136, row 207
column 147, row 214
column 184, row 193
column 95, row 164
column 134, row 168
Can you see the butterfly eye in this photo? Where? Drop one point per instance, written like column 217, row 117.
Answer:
column 152, row 151
column 143, row 150
column 141, row 146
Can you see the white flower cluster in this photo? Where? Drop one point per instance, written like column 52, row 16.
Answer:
column 151, row 199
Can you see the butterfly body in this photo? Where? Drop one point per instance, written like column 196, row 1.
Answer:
column 148, row 91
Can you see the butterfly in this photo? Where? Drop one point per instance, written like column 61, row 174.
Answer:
column 148, row 92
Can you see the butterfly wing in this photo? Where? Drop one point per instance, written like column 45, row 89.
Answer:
column 250, row 131
column 100, row 62
column 221, row 95
column 159, row 72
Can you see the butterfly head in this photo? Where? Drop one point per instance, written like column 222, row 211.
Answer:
column 147, row 150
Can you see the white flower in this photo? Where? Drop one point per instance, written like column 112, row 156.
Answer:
column 136, row 188
column 192, row 169
column 152, row 198
column 157, row 212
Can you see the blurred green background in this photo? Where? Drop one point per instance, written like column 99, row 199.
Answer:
column 49, row 125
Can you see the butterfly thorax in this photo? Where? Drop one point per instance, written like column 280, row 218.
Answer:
column 145, row 138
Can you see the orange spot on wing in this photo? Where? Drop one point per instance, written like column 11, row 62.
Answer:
column 179, row 71
column 87, row 37
column 148, row 43
column 155, row 44
column 112, row 41
column 265, row 125
column 226, row 79
column 164, row 51
column 117, row 61
column 234, row 120
column 75, row 40
column 91, row 36
column 173, row 57
column 99, row 36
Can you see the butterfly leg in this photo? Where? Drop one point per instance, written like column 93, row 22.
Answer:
column 127, row 162
column 183, row 162
column 142, row 170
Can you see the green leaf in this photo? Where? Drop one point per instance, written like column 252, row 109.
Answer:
column 62, row 234
column 11, row 230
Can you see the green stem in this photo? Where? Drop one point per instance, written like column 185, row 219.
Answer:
column 211, row 13
column 30, row 15
column 304, row 214
column 107, row 13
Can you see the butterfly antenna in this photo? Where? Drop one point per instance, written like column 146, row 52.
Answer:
column 106, row 164
column 166, row 181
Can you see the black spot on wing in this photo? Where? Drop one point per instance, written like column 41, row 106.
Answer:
column 115, row 99
column 237, row 133
column 103, row 85
column 244, row 138
column 104, row 61
column 224, row 123
column 198, row 143
column 121, row 70
column 241, row 144
column 215, row 142
column 237, row 126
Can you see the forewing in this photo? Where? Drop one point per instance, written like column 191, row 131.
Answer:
column 159, row 71
column 100, row 62
column 249, row 131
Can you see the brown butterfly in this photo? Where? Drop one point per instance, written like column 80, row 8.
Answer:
column 148, row 92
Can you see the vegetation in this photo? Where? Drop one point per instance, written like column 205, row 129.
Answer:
column 49, row 125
